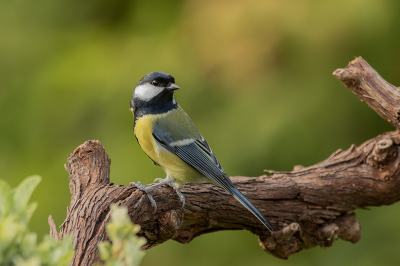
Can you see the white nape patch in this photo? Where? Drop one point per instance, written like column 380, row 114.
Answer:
column 182, row 142
column 147, row 92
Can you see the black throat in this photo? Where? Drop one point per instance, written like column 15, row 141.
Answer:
column 160, row 104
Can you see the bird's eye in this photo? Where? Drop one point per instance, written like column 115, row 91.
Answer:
column 154, row 82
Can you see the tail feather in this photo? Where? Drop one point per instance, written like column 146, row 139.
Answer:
column 246, row 203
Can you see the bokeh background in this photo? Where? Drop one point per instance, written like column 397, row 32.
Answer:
column 256, row 78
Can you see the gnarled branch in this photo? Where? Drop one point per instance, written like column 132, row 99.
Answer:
column 310, row 206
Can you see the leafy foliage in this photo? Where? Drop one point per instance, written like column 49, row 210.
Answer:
column 126, row 247
column 18, row 246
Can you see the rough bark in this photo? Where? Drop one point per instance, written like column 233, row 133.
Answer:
column 370, row 87
column 309, row 207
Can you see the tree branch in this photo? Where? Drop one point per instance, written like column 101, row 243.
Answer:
column 310, row 206
column 370, row 87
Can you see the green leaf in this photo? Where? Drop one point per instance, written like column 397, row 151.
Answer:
column 28, row 245
column 104, row 250
column 56, row 253
column 17, row 245
column 32, row 261
column 26, row 213
column 126, row 246
column 6, row 198
column 23, row 192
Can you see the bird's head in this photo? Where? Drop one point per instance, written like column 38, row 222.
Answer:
column 156, row 89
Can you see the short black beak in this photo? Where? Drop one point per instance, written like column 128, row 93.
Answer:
column 173, row 86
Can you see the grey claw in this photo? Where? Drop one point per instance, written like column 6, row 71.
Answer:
column 181, row 197
column 143, row 188
column 183, row 202
column 167, row 181
column 152, row 201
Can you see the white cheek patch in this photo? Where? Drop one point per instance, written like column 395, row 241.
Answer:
column 182, row 142
column 147, row 92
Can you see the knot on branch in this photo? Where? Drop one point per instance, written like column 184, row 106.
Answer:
column 349, row 227
column 286, row 232
column 328, row 232
column 169, row 224
column 282, row 243
column 383, row 152
column 292, row 238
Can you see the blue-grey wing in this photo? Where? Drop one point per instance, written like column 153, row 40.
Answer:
column 195, row 152
column 187, row 143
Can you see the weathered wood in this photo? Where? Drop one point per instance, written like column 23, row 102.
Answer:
column 370, row 87
column 309, row 207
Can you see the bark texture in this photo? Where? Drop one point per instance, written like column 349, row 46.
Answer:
column 308, row 207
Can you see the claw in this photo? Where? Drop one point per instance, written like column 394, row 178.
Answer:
column 143, row 188
column 176, row 187
column 181, row 197
column 167, row 181
column 152, row 201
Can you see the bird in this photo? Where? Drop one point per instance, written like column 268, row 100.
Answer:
column 170, row 139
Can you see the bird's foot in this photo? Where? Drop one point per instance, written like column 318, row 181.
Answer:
column 166, row 181
column 147, row 190
column 175, row 186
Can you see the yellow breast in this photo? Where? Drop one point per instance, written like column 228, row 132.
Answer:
column 169, row 162
column 143, row 132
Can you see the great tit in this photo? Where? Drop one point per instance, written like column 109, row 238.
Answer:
column 168, row 136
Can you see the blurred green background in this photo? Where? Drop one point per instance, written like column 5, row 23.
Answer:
column 256, row 78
